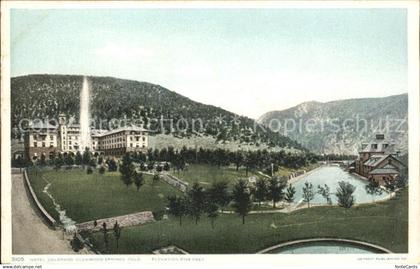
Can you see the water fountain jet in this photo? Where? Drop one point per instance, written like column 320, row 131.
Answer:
column 85, row 139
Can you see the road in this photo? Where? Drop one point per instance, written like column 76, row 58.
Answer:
column 30, row 235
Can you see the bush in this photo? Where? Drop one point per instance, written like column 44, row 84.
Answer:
column 89, row 170
column 76, row 244
column 158, row 214
column 112, row 165
column 101, row 170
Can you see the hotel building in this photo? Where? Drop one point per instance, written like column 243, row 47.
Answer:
column 378, row 160
column 46, row 139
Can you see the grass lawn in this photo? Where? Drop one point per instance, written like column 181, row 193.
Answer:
column 89, row 197
column 382, row 223
column 285, row 172
column 207, row 174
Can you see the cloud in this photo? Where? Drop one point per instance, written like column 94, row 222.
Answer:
column 124, row 52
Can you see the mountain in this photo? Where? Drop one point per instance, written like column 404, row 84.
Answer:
column 341, row 126
column 41, row 96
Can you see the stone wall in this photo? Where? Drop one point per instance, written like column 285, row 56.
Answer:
column 123, row 221
column 50, row 220
column 174, row 182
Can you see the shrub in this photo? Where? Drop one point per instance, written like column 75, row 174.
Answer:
column 89, row 170
column 76, row 244
column 158, row 214
column 101, row 170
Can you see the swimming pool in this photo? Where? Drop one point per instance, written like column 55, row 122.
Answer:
column 331, row 175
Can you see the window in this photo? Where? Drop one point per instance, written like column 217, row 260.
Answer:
column 51, row 144
column 375, row 146
column 35, row 144
column 69, row 142
column 144, row 138
column 131, row 145
column 385, row 146
column 43, row 144
column 137, row 138
column 51, row 137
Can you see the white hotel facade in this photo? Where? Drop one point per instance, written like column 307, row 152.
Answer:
column 49, row 140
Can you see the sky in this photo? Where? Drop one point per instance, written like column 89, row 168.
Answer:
column 248, row 61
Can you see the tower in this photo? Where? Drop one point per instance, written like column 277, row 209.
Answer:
column 62, row 133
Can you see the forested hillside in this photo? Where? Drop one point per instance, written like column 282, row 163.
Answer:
column 41, row 96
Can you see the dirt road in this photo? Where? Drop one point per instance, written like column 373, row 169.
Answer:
column 30, row 235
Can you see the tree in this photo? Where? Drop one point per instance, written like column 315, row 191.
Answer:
column 241, row 199
column 76, row 244
column 138, row 180
column 196, row 200
column 238, row 159
column 177, row 207
column 399, row 182
column 373, row 188
column 69, row 160
column 308, row 193
column 112, row 165
column 117, row 232
column 211, row 209
column 42, row 161
column 92, row 162
column 143, row 166
column 128, row 175
column 101, row 170
column 89, row 170
column 100, row 160
column 219, row 194
column 127, row 170
column 261, row 191
column 79, row 158
column 402, row 178
column 86, row 156
column 105, row 233
column 58, row 162
column 325, row 192
column 345, row 194
column 290, row 193
column 275, row 190
column 166, row 166
column 155, row 178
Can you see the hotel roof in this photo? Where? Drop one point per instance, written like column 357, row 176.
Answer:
column 42, row 125
column 383, row 171
column 374, row 160
column 121, row 129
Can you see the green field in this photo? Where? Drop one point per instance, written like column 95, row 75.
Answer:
column 285, row 172
column 207, row 174
column 383, row 223
column 89, row 197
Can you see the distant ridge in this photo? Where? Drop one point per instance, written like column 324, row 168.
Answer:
column 345, row 140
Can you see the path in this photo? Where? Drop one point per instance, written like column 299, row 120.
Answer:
column 30, row 235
